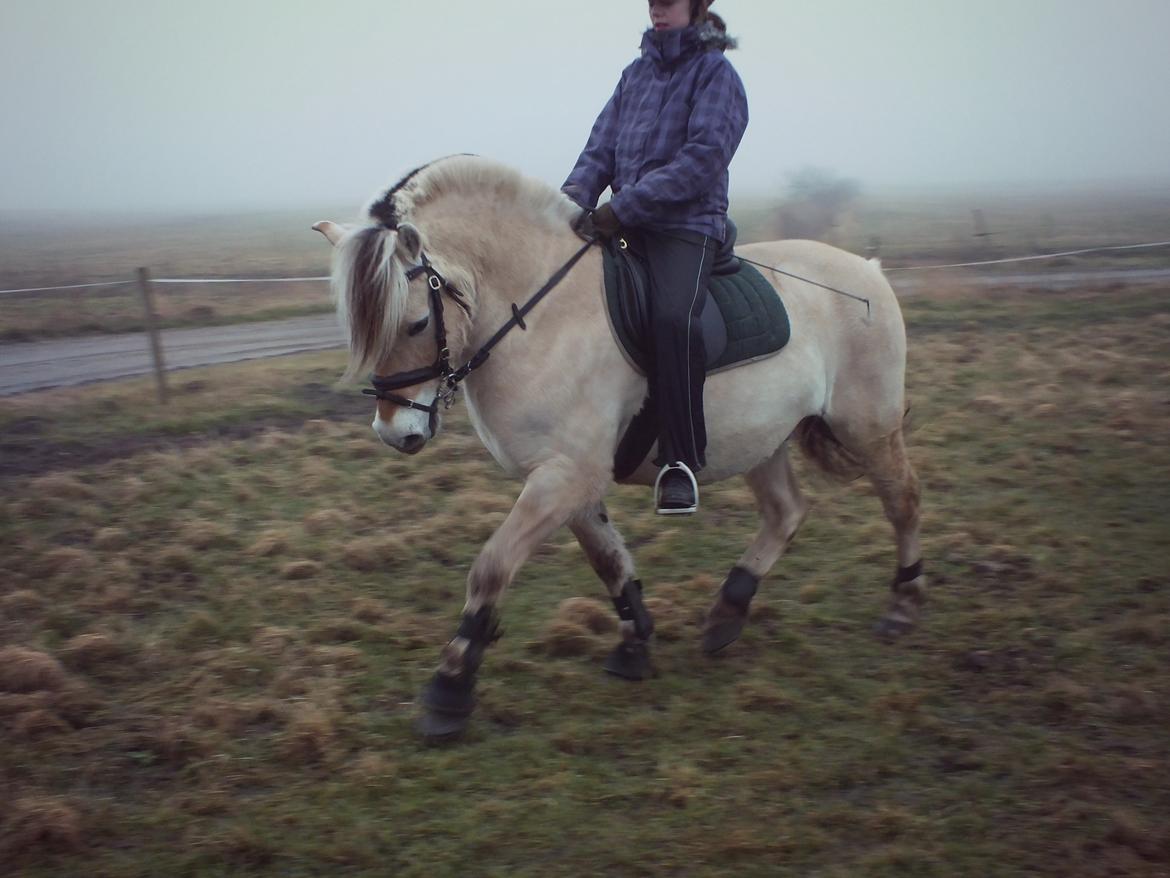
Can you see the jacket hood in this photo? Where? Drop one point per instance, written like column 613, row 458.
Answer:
column 668, row 47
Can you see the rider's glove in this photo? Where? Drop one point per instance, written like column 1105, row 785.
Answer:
column 600, row 223
column 605, row 222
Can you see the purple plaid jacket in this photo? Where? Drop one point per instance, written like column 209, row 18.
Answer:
column 666, row 137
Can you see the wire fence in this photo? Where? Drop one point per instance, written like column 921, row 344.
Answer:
column 145, row 286
column 168, row 280
column 178, row 281
column 1036, row 258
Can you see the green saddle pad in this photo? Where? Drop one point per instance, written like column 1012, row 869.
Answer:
column 744, row 320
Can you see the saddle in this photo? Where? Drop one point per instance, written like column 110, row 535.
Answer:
column 744, row 320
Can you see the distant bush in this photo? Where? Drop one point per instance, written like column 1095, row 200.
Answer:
column 813, row 203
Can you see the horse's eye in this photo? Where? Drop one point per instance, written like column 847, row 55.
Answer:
column 418, row 326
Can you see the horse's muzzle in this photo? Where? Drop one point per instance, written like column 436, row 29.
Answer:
column 412, row 444
column 409, row 437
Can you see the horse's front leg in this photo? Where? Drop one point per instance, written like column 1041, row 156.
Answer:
column 551, row 494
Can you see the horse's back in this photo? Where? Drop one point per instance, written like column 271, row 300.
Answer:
column 862, row 344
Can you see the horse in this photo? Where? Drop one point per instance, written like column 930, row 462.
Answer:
column 433, row 277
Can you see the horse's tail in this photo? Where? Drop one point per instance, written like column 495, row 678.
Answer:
column 369, row 305
column 825, row 450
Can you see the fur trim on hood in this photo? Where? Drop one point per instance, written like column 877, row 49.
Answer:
column 710, row 37
column 669, row 47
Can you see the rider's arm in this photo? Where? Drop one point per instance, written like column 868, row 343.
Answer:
column 715, row 127
column 594, row 169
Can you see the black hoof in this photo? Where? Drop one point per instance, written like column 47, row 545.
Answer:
column 722, row 634
column 446, row 703
column 441, row 727
column 892, row 629
column 629, row 660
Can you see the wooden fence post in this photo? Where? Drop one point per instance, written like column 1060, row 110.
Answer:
column 160, row 368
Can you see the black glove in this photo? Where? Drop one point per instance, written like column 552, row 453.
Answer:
column 601, row 223
column 583, row 226
column 605, row 222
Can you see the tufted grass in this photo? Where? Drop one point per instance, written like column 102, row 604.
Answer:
column 212, row 630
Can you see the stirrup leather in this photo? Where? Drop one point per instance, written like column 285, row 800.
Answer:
column 684, row 510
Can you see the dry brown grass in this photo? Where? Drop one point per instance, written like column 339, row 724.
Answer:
column 34, row 724
column 68, row 564
column 763, row 695
column 23, row 603
column 370, row 611
column 310, row 736
column 60, row 486
column 299, row 570
column 40, row 824
column 201, row 534
column 90, row 652
column 111, row 539
column 271, row 542
column 588, row 613
column 325, row 520
column 27, row 670
column 373, row 553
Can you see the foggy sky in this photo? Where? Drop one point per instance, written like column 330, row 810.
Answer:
column 255, row 103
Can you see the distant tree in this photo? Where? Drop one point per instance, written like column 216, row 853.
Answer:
column 813, row 203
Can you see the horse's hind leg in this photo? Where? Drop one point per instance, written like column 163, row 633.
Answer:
column 611, row 560
column 782, row 509
column 551, row 494
column 893, row 477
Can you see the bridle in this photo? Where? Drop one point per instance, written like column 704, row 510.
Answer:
column 449, row 377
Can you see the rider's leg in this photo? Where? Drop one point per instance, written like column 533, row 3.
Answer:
column 680, row 268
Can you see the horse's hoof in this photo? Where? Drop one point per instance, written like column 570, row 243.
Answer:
column 720, row 635
column 447, row 703
column 891, row 628
column 629, row 660
column 438, row 727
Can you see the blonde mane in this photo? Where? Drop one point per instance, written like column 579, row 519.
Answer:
column 369, row 281
column 471, row 177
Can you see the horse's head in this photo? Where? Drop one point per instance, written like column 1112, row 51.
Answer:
column 393, row 312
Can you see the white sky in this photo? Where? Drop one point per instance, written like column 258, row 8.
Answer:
column 252, row 103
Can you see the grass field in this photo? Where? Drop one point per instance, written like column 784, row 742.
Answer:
column 214, row 618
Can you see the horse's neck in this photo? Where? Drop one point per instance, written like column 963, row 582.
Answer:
column 508, row 256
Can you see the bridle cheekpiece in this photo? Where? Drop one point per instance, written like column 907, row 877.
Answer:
column 449, row 377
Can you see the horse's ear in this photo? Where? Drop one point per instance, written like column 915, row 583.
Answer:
column 409, row 243
column 331, row 230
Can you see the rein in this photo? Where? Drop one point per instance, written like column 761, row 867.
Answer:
column 450, row 378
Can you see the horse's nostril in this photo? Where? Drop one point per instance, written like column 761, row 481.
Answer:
column 413, row 442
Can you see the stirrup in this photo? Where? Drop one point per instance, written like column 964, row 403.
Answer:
column 682, row 510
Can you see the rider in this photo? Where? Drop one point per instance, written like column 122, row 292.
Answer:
column 662, row 145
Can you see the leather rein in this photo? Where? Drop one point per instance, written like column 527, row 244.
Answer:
column 450, row 377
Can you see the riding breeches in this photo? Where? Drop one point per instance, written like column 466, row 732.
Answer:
column 680, row 268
